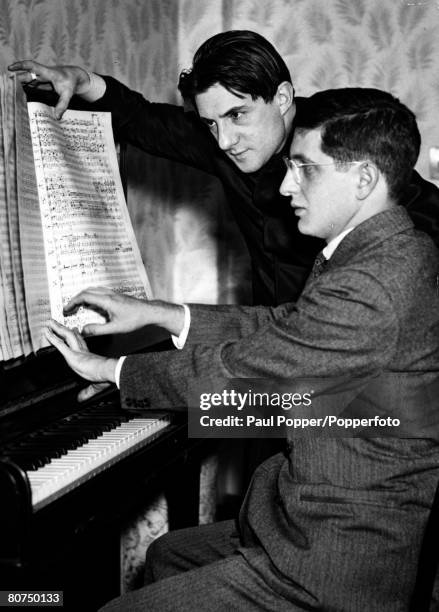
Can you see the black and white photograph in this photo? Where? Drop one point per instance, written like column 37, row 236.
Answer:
column 219, row 305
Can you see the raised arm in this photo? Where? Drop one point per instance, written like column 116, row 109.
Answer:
column 67, row 81
column 160, row 129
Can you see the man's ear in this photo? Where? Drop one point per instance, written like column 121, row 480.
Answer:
column 284, row 97
column 368, row 175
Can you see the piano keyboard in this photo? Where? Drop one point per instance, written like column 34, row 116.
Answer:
column 78, row 465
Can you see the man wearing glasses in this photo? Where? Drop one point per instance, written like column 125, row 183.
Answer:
column 337, row 523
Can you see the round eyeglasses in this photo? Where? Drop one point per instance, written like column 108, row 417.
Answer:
column 296, row 167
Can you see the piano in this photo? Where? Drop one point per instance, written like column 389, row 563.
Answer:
column 72, row 473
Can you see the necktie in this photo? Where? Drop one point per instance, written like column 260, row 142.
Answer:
column 319, row 265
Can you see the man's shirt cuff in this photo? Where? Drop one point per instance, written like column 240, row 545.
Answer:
column 180, row 341
column 117, row 370
column 96, row 88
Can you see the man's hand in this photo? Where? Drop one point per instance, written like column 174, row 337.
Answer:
column 66, row 80
column 124, row 313
column 72, row 346
column 92, row 390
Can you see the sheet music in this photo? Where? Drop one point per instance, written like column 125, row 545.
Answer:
column 12, row 277
column 87, row 232
column 31, row 229
column 4, row 340
column 4, row 237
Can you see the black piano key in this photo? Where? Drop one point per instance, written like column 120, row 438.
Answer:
column 27, row 461
column 57, row 438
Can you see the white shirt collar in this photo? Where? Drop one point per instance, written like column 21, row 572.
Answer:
column 329, row 249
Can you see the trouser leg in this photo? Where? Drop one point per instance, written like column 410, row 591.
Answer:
column 230, row 584
column 187, row 549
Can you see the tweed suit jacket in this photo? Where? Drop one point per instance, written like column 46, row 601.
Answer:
column 340, row 519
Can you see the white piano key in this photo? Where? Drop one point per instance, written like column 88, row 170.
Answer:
column 79, row 465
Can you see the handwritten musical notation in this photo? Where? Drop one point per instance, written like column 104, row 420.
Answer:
column 83, row 210
column 64, row 223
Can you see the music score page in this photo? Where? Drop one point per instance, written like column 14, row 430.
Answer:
column 88, row 236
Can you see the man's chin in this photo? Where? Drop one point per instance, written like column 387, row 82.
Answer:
column 304, row 228
column 246, row 164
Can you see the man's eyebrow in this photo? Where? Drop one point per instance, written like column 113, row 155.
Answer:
column 234, row 109
column 230, row 111
column 303, row 159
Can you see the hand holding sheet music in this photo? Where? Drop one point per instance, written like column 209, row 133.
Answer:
column 124, row 313
column 65, row 80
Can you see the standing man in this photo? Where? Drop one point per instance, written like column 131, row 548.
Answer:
column 336, row 524
column 239, row 130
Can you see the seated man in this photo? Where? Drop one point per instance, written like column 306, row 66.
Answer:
column 337, row 523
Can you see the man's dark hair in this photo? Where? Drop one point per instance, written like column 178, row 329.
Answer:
column 358, row 124
column 241, row 61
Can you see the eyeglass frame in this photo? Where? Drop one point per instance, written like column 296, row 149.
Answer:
column 292, row 165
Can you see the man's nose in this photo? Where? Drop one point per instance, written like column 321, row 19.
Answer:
column 289, row 185
column 227, row 138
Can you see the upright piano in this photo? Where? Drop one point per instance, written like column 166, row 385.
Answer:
column 71, row 473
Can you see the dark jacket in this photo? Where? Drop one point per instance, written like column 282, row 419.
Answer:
column 281, row 257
